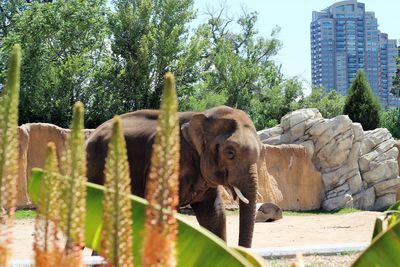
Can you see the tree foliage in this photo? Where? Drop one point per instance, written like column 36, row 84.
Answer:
column 390, row 119
column 148, row 40
column 10, row 8
column 361, row 105
column 396, row 80
column 329, row 104
column 236, row 69
column 112, row 55
column 267, row 108
column 239, row 63
column 63, row 44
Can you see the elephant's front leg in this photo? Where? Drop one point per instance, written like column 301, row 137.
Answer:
column 210, row 213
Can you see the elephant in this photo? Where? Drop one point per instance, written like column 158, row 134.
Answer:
column 218, row 147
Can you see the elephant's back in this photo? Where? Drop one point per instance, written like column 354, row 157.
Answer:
column 137, row 120
column 139, row 130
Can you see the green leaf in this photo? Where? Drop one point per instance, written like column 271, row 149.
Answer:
column 378, row 228
column 385, row 246
column 195, row 247
column 252, row 258
column 395, row 206
column 391, row 216
column 383, row 251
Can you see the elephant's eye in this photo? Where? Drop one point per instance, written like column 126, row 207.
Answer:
column 230, row 153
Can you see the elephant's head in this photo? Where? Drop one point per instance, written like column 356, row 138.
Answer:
column 229, row 148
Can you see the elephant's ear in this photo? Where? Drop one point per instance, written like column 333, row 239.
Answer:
column 193, row 132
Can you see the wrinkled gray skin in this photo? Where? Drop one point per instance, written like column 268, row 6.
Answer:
column 218, row 147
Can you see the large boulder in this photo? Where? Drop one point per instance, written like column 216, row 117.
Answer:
column 268, row 212
column 354, row 164
column 379, row 167
column 397, row 145
column 33, row 140
column 290, row 179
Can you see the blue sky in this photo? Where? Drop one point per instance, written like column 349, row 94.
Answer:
column 294, row 17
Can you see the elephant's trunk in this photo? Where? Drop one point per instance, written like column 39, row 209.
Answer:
column 247, row 211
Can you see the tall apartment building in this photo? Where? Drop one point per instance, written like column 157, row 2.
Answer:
column 345, row 38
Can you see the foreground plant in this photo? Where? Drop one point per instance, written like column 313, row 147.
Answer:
column 46, row 241
column 385, row 245
column 195, row 245
column 162, row 187
column 9, row 153
column 116, row 244
column 73, row 190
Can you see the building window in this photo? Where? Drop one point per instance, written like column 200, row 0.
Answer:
column 339, row 8
column 349, row 7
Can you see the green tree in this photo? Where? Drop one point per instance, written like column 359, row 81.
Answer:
column 238, row 63
column 64, row 46
column 330, row 104
column 236, row 69
column 114, row 60
column 268, row 107
column 361, row 105
column 201, row 99
column 148, row 40
column 10, row 8
column 396, row 80
column 390, row 119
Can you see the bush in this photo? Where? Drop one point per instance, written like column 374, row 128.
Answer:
column 390, row 119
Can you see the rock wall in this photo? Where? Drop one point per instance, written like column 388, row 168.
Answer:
column 33, row 139
column 287, row 178
column 290, row 179
column 331, row 163
column 397, row 144
column 359, row 168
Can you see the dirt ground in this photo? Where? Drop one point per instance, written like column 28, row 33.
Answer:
column 289, row 231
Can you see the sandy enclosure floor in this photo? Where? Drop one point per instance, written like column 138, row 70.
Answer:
column 289, row 231
column 307, row 230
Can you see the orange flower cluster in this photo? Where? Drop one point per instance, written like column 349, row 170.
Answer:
column 163, row 184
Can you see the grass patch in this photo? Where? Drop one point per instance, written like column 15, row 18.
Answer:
column 25, row 214
column 318, row 212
